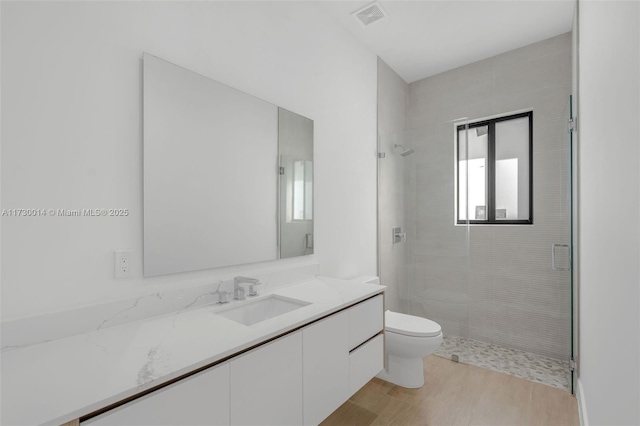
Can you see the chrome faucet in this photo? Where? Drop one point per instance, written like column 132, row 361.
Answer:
column 238, row 290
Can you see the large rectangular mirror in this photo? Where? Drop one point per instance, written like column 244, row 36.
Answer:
column 228, row 178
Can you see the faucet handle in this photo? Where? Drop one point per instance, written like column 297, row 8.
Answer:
column 253, row 289
column 223, row 297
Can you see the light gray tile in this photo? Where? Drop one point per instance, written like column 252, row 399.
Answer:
column 392, row 100
column 557, row 44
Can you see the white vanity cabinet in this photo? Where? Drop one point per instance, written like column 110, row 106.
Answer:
column 298, row 378
column 266, row 384
column 325, row 366
column 201, row 399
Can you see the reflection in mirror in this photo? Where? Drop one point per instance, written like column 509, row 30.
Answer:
column 211, row 155
column 302, row 190
column 295, row 145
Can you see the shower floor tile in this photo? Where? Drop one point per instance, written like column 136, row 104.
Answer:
column 526, row 365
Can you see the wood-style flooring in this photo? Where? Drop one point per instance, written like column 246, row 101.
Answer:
column 458, row 394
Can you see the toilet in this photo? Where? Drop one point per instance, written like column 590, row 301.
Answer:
column 408, row 339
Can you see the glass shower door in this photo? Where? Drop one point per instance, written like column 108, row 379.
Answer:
column 570, row 193
column 562, row 247
column 519, row 264
column 394, row 233
column 423, row 252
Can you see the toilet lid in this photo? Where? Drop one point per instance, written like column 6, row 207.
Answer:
column 410, row 325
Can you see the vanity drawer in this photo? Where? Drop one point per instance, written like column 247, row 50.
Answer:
column 365, row 362
column 196, row 400
column 365, row 321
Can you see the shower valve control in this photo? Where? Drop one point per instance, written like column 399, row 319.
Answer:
column 398, row 235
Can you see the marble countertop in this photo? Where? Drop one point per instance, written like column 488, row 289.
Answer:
column 61, row 380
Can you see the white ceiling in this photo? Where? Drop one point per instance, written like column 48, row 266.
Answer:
column 421, row 38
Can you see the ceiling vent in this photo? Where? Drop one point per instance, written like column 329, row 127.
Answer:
column 370, row 14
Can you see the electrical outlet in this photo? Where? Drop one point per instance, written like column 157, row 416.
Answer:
column 124, row 264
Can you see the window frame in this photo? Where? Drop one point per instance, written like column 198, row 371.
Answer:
column 491, row 171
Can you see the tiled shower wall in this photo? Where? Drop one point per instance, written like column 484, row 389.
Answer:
column 491, row 283
column 392, row 115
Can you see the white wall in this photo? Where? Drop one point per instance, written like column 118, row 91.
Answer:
column 72, row 138
column 609, row 104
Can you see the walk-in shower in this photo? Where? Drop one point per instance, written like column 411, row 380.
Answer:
column 486, row 206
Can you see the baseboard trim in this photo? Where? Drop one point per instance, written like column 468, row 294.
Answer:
column 582, row 407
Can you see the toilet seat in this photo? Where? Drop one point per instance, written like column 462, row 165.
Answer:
column 409, row 325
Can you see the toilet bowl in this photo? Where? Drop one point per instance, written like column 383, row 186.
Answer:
column 408, row 339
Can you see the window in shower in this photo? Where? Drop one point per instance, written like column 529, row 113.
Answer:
column 494, row 173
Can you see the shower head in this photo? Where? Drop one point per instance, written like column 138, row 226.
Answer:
column 405, row 151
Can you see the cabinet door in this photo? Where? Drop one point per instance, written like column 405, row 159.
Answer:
column 266, row 384
column 325, row 366
column 365, row 362
column 201, row 399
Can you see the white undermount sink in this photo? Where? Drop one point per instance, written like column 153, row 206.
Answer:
column 255, row 311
